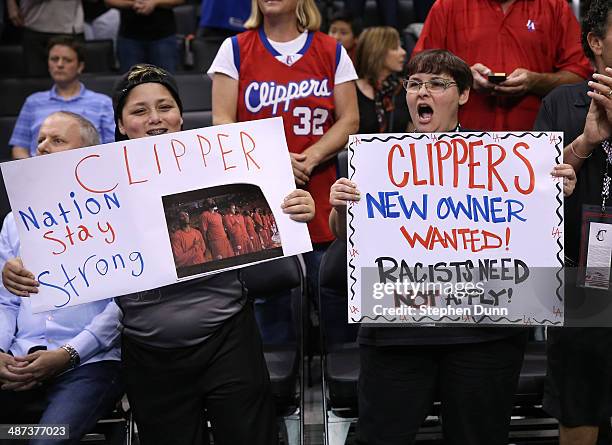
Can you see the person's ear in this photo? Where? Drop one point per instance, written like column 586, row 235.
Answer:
column 81, row 67
column 595, row 43
column 121, row 127
column 464, row 96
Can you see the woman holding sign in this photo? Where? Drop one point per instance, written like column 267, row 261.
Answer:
column 195, row 344
column 473, row 370
column 283, row 66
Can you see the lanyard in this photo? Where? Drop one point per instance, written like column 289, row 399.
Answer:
column 605, row 186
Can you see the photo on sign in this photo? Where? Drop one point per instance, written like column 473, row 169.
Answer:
column 219, row 227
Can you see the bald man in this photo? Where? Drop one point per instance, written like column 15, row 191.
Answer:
column 67, row 360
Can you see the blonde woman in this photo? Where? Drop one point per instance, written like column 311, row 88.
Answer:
column 283, row 66
column 379, row 61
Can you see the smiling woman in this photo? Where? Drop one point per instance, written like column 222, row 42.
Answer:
column 194, row 344
column 151, row 111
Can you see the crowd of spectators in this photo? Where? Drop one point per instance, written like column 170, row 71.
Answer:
column 493, row 65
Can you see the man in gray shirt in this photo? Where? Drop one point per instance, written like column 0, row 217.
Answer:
column 41, row 21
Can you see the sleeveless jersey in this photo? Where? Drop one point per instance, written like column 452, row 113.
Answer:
column 303, row 94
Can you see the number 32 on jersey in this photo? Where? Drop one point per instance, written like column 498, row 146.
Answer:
column 311, row 121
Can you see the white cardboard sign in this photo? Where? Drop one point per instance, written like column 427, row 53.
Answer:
column 456, row 228
column 97, row 222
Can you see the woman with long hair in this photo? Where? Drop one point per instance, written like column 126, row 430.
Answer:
column 379, row 62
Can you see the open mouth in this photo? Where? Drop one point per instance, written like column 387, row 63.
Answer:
column 425, row 113
column 157, row 131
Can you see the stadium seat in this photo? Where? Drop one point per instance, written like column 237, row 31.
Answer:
column 406, row 12
column 283, row 278
column 204, row 51
column 116, row 428
column 99, row 56
column 12, row 61
column 196, row 91
column 7, row 123
column 186, row 19
column 196, row 119
column 5, row 206
column 339, row 349
column 16, row 90
column 101, row 83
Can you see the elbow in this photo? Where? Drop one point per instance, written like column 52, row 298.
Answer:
column 354, row 124
column 351, row 121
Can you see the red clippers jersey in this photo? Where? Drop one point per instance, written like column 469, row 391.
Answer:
column 303, row 94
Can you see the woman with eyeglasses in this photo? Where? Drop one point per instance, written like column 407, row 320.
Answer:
column 472, row 371
column 379, row 63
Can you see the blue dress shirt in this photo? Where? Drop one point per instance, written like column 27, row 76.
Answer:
column 92, row 328
column 95, row 107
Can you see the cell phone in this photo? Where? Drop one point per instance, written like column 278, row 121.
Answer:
column 497, row 77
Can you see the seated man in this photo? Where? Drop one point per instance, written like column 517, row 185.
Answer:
column 65, row 67
column 66, row 361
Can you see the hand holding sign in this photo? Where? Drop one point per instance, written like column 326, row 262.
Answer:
column 299, row 205
column 567, row 173
column 17, row 279
column 105, row 223
column 454, row 228
column 342, row 192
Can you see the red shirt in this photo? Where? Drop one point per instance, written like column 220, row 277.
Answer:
column 539, row 35
column 302, row 94
column 188, row 247
column 211, row 224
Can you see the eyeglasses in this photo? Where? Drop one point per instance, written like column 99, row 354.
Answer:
column 433, row 86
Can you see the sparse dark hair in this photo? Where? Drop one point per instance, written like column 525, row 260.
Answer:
column 70, row 42
column 89, row 134
column 441, row 61
column 345, row 16
column 596, row 21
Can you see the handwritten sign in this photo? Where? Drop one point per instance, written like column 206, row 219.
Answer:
column 113, row 219
column 456, row 228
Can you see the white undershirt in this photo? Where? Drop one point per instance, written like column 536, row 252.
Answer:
column 224, row 60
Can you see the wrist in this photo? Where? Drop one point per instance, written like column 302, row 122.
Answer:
column 74, row 359
column 313, row 157
column 534, row 80
column 583, row 146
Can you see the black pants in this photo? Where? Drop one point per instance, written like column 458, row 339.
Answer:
column 35, row 51
column 169, row 389
column 474, row 382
